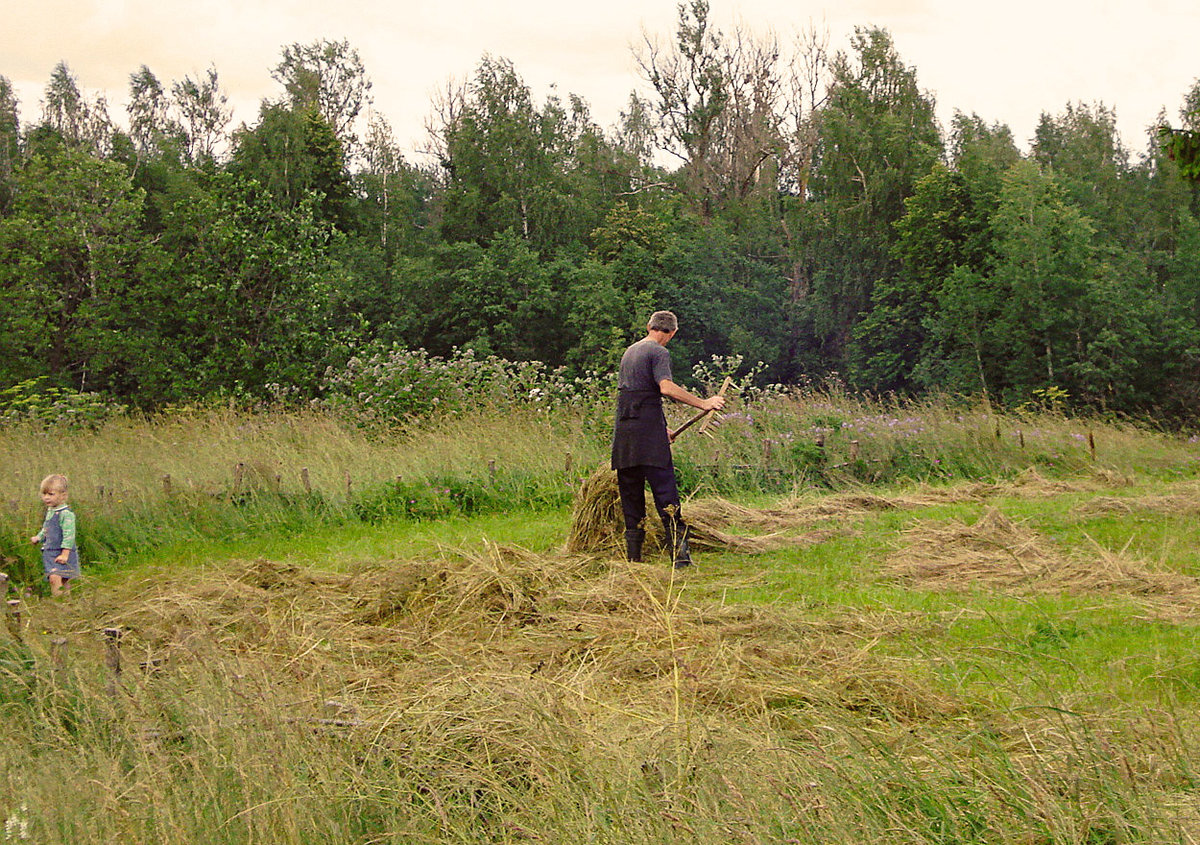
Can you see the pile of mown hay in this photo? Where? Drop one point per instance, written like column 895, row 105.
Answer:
column 596, row 521
column 999, row 553
column 477, row 633
column 994, row 550
column 597, row 525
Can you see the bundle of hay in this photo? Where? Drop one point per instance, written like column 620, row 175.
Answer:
column 994, row 550
column 596, row 521
column 598, row 526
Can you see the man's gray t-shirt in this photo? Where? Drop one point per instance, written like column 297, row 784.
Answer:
column 640, row 432
column 644, row 365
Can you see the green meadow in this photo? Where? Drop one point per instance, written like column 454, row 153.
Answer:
column 940, row 625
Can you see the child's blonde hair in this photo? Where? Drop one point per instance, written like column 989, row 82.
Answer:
column 53, row 483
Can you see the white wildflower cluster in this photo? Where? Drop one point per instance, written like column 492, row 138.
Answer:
column 394, row 386
column 16, row 825
column 747, row 380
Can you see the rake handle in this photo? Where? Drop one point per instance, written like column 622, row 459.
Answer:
column 700, row 416
column 688, row 424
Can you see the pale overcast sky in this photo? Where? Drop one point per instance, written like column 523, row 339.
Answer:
column 1008, row 61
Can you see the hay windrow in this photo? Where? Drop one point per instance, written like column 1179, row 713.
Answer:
column 860, row 503
column 1030, row 483
column 998, row 553
column 597, row 525
column 1184, row 502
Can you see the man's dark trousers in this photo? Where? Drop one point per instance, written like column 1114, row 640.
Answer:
column 631, row 483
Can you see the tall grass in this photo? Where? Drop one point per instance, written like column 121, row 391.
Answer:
column 828, row 439
column 140, row 483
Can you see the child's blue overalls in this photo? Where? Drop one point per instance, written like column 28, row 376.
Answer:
column 52, row 546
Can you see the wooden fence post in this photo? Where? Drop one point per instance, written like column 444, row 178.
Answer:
column 1092, row 445
column 58, row 652
column 166, row 482
column 854, row 450
column 304, row 480
column 112, row 655
column 239, row 473
column 492, row 471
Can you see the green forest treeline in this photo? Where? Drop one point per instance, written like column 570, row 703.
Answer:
column 814, row 216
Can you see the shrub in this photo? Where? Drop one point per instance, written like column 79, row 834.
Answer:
column 396, row 387
column 34, row 401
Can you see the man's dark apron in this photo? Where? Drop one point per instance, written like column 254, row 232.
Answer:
column 640, row 434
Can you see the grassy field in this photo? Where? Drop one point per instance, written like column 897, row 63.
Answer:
column 940, row 626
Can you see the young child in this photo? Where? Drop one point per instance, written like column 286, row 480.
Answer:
column 60, row 557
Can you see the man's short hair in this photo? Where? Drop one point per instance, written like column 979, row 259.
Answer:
column 663, row 321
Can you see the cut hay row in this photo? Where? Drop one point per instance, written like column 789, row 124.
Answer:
column 1030, row 483
column 998, row 553
column 1184, row 501
column 597, row 524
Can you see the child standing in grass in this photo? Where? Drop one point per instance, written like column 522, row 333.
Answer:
column 60, row 557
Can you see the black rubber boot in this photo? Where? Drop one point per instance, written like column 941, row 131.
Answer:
column 633, row 544
column 681, row 554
